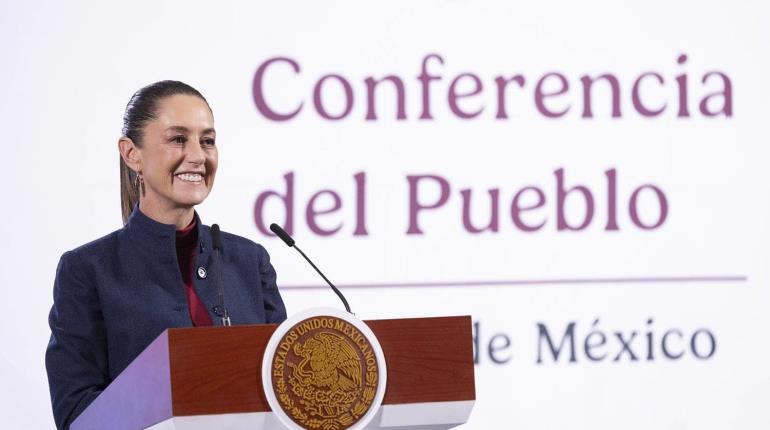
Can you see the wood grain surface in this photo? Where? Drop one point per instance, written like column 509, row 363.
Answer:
column 216, row 370
column 428, row 359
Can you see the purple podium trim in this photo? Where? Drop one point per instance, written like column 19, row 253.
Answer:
column 141, row 394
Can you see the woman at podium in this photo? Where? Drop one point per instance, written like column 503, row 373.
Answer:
column 115, row 295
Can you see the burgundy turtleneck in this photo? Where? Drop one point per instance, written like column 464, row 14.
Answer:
column 186, row 249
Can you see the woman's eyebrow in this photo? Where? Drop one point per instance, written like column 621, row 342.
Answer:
column 183, row 129
column 178, row 129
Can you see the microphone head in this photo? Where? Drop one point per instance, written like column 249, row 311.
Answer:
column 216, row 237
column 275, row 228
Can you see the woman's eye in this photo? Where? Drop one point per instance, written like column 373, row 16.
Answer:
column 209, row 142
column 179, row 139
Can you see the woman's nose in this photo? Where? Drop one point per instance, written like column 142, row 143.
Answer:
column 195, row 154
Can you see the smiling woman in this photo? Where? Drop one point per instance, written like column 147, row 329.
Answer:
column 113, row 296
column 167, row 154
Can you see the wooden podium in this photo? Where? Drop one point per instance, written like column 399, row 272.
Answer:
column 210, row 378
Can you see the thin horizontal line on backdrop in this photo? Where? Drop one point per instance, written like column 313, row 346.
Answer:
column 524, row 282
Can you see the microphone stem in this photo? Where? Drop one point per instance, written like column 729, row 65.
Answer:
column 225, row 317
column 336, row 291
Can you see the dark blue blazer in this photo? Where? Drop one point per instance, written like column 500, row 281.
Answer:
column 114, row 296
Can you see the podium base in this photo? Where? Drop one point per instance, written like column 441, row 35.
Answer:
column 409, row 416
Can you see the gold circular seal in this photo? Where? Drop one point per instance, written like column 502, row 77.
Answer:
column 324, row 373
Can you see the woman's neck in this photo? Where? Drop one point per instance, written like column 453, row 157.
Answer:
column 181, row 217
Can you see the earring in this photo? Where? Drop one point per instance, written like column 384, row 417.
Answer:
column 140, row 183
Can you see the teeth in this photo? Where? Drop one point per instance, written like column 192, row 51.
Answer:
column 190, row 177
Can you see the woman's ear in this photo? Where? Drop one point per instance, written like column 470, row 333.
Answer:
column 130, row 154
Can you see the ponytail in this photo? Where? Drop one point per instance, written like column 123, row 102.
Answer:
column 129, row 190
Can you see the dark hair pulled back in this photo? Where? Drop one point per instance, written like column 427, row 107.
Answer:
column 140, row 110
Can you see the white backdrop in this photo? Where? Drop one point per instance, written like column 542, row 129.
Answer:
column 68, row 70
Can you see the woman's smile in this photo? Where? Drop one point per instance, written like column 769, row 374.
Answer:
column 192, row 178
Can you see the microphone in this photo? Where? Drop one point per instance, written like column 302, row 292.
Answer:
column 275, row 228
column 216, row 239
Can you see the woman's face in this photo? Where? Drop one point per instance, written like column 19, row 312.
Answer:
column 178, row 155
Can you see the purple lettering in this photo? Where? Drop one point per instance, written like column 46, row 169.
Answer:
column 360, row 179
column 501, row 84
column 588, row 82
column 540, row 95
column 612, row 204
column 415, row 206
column 312, row 212
column 425, row 79
column 726, row 94
column 636, row 98
column 517, row 209
column 453, row 96
column 288, row 204
column 493, row 225
column 561, row 197
column 258, row 94
column 662, row 205
column 681, row 81
column 318, row 99
column 371, row 103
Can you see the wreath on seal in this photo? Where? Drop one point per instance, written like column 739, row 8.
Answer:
column 327, row 386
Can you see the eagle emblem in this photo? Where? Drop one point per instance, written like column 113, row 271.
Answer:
column 326, row 383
